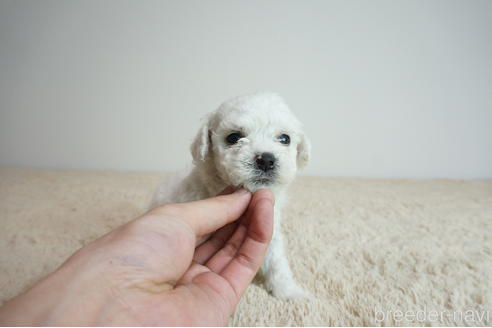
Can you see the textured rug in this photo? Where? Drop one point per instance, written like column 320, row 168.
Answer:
column 373, row 252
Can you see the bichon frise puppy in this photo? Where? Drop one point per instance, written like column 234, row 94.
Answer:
column 252, row 141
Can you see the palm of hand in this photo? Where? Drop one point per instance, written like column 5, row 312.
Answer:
column 166, row 280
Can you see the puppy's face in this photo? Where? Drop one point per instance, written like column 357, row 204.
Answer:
column 253, row 141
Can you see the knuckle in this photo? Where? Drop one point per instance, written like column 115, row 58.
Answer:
column 229, row 249
column 246, row 260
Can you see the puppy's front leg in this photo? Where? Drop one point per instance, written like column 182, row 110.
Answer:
column 276, row 271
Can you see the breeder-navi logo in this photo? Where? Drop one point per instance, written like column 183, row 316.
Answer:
column 472, row 317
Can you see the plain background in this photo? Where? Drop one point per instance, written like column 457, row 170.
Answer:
column 384, row 88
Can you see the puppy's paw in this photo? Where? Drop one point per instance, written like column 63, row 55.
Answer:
column 290, row 291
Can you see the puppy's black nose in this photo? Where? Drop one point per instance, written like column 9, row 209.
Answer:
column 265, row 162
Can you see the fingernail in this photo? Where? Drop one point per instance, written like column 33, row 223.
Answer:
column 227, row 191
column 241, row 191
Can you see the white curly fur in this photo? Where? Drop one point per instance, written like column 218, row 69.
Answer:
column 261, row 118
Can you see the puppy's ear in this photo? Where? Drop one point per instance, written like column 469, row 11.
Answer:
column 303, row 151
column 201, row 145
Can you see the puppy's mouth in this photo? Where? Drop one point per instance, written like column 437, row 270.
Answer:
column 262, row 178
column 262, row 181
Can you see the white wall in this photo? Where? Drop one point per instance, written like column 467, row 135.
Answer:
column 385, row 88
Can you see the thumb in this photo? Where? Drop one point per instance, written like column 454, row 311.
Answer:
column 208, row 215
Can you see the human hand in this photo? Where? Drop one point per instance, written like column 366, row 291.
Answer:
column 150, row 272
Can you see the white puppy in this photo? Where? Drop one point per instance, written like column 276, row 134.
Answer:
column 252, row 141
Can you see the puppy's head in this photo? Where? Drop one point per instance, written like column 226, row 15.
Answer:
column 253, row 141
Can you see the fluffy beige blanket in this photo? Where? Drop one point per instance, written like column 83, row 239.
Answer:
column 373, row 252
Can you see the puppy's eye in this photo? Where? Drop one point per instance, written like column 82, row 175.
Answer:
column 233, row 138
column 284, row 139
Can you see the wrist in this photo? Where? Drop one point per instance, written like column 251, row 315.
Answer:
column 65, row 297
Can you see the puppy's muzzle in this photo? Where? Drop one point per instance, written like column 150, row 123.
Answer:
column 265, row 162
